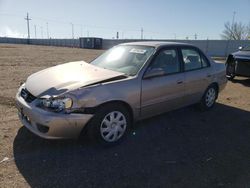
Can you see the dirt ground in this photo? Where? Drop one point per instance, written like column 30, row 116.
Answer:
column 183, row 148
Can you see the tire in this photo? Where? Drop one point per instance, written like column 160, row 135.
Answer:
column 209, row 97
column 107, row 131
column 230, row 71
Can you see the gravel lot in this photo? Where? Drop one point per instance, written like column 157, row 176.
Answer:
column 183, row 148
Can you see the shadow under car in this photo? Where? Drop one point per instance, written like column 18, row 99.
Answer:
column 182, row 148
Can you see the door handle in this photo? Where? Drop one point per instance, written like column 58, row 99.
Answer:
column 179, row 82
column 209, row 75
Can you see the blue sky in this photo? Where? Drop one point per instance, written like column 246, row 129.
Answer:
column 160, row 19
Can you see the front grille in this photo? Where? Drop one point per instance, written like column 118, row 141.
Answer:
column 27, row 96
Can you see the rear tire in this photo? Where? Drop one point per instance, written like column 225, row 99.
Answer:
column 208, row 99
column 110, row 124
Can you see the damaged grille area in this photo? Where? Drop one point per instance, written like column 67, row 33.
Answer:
column 27, row 96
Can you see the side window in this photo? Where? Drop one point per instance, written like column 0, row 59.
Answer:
column 168, row 61
column 191, row 59
column 204, row 61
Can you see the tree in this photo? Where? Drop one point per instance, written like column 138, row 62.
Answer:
column 236, row 31
column 248, row 27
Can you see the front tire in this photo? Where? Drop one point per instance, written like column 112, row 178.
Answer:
column 110, row 124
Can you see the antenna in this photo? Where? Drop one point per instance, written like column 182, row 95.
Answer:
column 28, row 24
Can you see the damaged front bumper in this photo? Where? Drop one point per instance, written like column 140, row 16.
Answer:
column 50, row 125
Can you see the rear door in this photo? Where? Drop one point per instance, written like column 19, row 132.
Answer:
column 197, row 74
column 165, row 92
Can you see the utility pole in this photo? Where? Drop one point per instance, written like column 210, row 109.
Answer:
column 72, row 30
column 41, row 32
column 47, row 25
column 174, row 36
column 141, row 33
column 81, row 31
column 234, row 13
column 28, row 24
column 35, row 30
column 231, row 35
column 195, row 36
column 232, row 25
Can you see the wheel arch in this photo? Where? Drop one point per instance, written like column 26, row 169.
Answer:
column 120, row 102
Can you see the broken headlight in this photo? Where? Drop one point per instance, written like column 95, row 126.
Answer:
column 57, row 104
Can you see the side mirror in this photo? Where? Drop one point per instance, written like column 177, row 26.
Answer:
column 154, row 73
column 240, row 47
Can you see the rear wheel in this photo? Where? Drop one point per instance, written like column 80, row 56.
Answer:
column 209, row 98
column 110, row 124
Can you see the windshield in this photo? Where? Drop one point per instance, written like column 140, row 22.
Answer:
column 246, row 48
column 125, row 59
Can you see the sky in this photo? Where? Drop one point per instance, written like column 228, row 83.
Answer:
column 159, row 19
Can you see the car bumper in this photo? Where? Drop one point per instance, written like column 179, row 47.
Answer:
column 242, row 67
column 50, row 125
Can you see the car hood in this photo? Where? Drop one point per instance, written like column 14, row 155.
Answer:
column 69, row 76
column 242, row 54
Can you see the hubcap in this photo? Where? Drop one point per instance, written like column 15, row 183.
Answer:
column 113, row 126
column 210, row 97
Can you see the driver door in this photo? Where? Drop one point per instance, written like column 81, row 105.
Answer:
column 163, row 92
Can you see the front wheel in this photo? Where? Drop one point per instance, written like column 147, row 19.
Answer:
column 110, row 124
column 209, row 98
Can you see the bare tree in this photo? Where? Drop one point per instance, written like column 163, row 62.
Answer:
column 248, row 29
column 236, row 31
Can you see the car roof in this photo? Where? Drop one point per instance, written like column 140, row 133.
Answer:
column 156, row 44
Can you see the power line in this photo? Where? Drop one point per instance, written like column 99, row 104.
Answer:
column 130, row 30
column 28, row 24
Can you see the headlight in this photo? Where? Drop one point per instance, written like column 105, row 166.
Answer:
column 57, row 104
